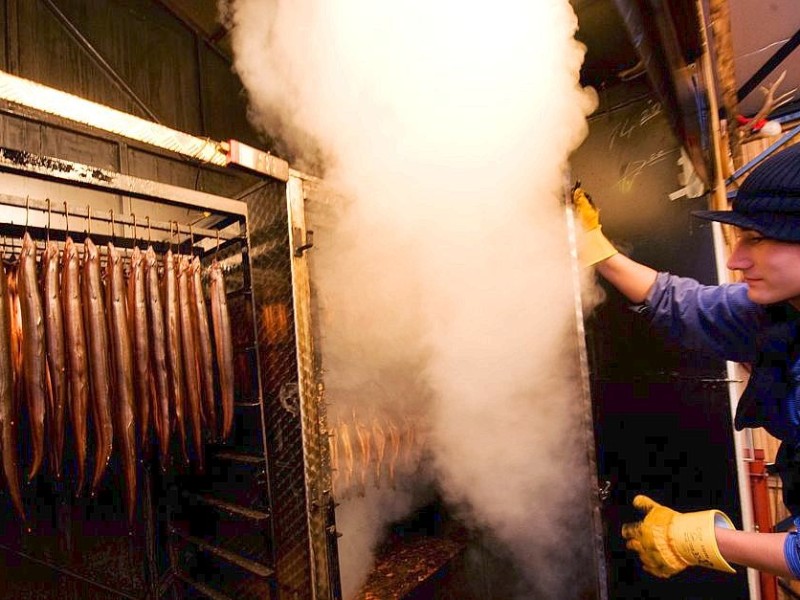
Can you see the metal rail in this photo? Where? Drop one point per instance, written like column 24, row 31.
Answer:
column 84, row 215
column 251, row 566
column 81, row 175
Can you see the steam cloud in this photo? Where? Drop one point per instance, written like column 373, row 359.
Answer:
column 445, row 286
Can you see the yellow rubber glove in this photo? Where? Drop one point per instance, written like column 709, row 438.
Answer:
column 668, row 541
column 593, row 246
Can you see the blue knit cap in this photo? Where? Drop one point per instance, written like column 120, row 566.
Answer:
column 769, row 199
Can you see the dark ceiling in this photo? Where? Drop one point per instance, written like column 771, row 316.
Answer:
column 762, row 44
column 759, row 30
column 609, row 51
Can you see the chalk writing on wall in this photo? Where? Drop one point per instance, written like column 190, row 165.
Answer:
column 635, row 168
column 626, row 127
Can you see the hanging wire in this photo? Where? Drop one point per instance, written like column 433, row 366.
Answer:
column 191, row 241
column 8, row 244
column 177, row 237
column 113, row 227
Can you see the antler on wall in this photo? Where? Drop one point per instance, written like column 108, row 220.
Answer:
column 752, row 125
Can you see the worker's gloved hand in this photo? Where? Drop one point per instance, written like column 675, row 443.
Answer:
column 668, row 541
column 593, row 246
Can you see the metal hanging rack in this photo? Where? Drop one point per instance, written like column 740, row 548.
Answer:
column 53, row 216
column 56, row 222
column 213, row 225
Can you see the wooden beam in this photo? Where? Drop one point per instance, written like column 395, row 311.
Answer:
column 722, row 51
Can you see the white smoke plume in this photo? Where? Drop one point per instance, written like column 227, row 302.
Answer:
column 446, row 284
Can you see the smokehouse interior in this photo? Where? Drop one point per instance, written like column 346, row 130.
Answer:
column 293, row 308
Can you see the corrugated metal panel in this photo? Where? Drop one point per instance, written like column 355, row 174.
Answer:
column 25, row 134
column 203, row 14
column 47, row 55
column 73, row 146
column 152, row 166
column 3, row 19
column 54, row 140
column 225, row 103
column 184, row 83
column 146, row 46
column 229, row 183
column 19, row 134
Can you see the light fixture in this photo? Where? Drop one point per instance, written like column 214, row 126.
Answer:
column 74, row 108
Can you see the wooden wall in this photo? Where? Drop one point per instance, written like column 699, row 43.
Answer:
column 97, row 48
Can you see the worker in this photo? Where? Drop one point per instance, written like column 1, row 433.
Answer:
column 755, row 322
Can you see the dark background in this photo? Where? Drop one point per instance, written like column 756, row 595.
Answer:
column 662, row 414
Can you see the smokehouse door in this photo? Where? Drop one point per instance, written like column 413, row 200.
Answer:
column 662, row 415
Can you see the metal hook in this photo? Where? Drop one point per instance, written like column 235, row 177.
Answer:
column 149, row 239
column 134, row 229
column 113, row 225
column 66, row 218
column 27, row 211
column 48, row 220
column 216, row 252
column 88, row 221
column 6, row 246
column 178, row 237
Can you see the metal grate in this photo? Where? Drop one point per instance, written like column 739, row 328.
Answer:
column 221, row 531
column 273, row 296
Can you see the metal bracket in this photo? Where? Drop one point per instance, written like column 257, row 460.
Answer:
column 604, row 492
column 309, row 241
column 289, row 398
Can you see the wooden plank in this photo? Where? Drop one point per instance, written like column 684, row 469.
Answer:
column 229, row 507
column 250, row 459
column 11, row 32
column 256, row 568
column 4, row 33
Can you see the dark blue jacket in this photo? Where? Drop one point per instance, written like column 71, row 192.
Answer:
column 721, row 320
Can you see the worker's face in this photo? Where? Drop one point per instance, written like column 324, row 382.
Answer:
column 770, row 268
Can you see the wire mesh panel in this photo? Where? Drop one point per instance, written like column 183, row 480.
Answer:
column 273, row 296
column 221, row 524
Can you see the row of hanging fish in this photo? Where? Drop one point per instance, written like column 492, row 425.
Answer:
column 364, row 450
column 126, row 353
